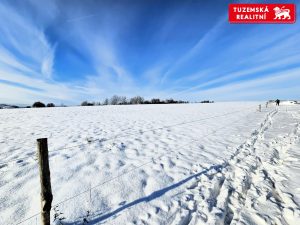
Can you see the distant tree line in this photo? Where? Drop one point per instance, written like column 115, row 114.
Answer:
column 207, row 101
column 5, row 106
column 114, row 100
column 123, row 100
column 42, row 105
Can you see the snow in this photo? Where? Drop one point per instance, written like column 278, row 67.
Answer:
column 221, row 163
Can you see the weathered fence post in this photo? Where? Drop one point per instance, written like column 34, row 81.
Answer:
column 46, row 193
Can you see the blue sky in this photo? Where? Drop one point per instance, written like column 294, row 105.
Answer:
column 73, row 50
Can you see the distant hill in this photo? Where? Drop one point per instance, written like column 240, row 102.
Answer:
column 5, row 106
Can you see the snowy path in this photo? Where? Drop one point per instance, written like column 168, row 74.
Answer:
column 251, row 187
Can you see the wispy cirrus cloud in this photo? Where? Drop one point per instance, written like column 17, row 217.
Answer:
column 208, row 37
column 260, row 52
column 25, row 42
column 264, row 69
column 28, row 60
column 279, row 85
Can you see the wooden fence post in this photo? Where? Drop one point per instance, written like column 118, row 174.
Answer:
column 46, row 193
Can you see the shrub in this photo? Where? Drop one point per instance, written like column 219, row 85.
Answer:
column 38, row 105
column 156, row 101
column 50, row 105
column 86, row 103
column 171, row 101
column 207, row 101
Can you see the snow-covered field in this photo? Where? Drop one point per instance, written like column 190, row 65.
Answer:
column 222, row 163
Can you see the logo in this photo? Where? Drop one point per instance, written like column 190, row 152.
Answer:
column 262, row 13
column 282, row 12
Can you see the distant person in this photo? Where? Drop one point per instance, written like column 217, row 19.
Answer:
column 267, row 103
column 277, row 102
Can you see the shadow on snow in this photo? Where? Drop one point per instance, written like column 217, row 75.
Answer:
column 154, row 195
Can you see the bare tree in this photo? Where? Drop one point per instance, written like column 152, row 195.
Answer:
column 106, row 101
column 155, row 101
column 122, row 100
column 114, row 100
column 137, row 100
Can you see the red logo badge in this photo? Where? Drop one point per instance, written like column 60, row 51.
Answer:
column 262, row 13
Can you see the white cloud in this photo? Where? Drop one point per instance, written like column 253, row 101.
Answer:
column 27, row 44
column 275, row 86
column 207, row 38
column 9, row 60
column 241, row 73
column 26, row 62
column 47, row 63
